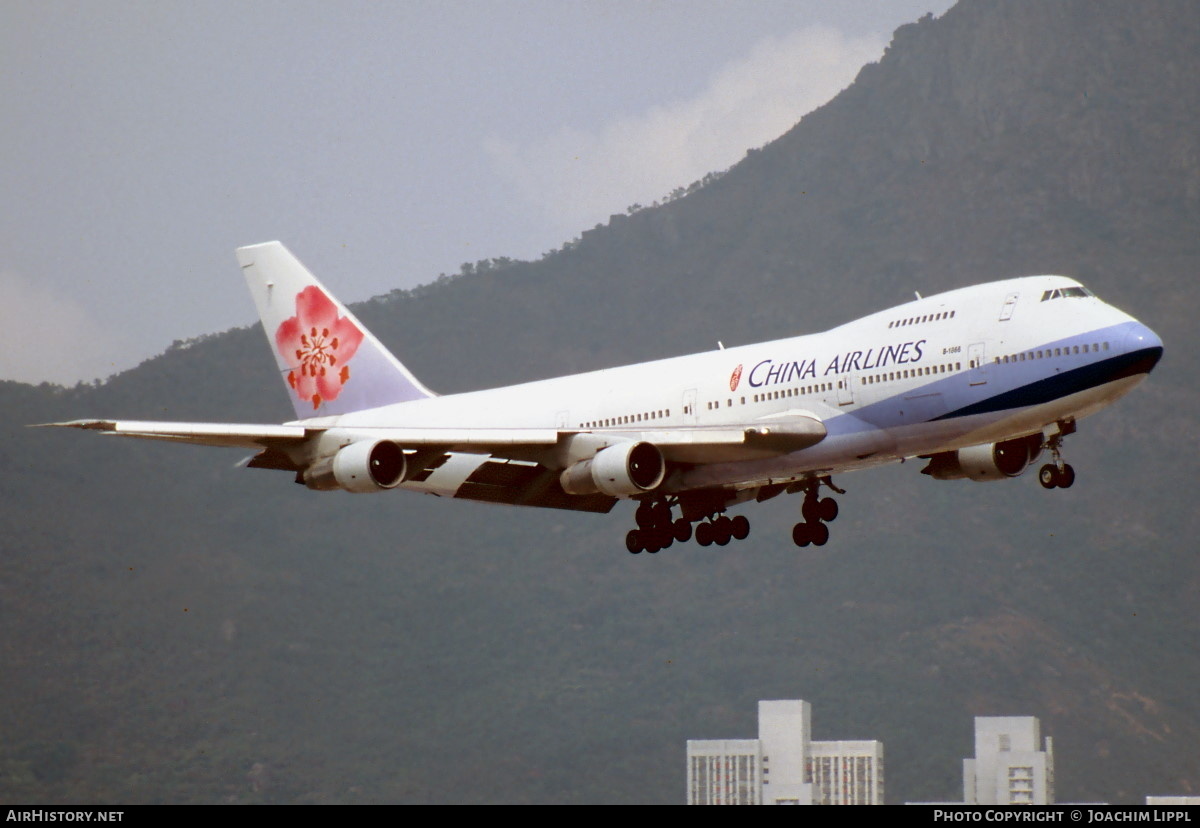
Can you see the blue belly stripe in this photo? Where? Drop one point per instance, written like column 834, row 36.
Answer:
column 1068, row 382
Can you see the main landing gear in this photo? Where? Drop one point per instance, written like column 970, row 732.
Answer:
column 1057, row 475
column 721, row 529
column 817, row 512
column 658, row 529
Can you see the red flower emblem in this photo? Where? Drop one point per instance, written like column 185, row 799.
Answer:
column 735, row 378
column 318, row 345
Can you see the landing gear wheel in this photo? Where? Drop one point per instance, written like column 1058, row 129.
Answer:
column 828, row 510
column 662, row 514
column 1066, row 477
column 740, row 526
column 704, row 534
column 801, row 535
column 633, row 541
column 819, row 534
column 682, row 530
column 1048, row 476
column 811, row 510
column 664, row 536
column 645, row 516
column 722, row 531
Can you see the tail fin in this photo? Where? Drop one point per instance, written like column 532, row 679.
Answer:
column 329, row 361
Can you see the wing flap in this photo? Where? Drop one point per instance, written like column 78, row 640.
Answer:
column 743, row 442
column 527, row 484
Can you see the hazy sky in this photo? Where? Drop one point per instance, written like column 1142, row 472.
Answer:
column 383, row 142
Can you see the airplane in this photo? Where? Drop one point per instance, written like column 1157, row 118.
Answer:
column 977, row 381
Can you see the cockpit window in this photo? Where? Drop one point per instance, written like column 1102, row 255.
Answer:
column 1067, row 293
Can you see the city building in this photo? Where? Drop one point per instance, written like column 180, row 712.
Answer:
column 1181, row 800
column 1008, row 767
column 783, row 766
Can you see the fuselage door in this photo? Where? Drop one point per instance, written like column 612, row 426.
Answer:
column 845, row 389
column 1010, row 304
column 976, row 365
column 689, row 407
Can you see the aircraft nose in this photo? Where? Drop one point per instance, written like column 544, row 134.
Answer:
column 1145, row 343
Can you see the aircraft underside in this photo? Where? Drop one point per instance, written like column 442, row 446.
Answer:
column 1024, row 433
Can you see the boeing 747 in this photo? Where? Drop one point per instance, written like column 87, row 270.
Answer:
column 979, row 382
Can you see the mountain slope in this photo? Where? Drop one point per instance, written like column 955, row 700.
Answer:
column 181, row 630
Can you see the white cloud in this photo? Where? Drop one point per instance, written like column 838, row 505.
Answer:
column 50, row 337
column 579, row 178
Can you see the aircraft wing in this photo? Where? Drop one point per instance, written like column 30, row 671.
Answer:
column 233, row 435
column 680, row 443
column 515, row 466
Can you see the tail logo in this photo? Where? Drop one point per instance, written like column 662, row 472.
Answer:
column 318, row 345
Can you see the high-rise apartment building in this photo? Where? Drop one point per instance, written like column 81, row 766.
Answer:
column 1008, row 767
column 783, row 766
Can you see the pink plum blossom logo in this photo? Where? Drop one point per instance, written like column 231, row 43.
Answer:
column 735, row 378
column 317, row 345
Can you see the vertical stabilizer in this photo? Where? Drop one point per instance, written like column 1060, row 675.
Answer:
column 329, row 362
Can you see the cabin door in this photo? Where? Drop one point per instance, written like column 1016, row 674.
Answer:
column 976, row 364
column 689, row 407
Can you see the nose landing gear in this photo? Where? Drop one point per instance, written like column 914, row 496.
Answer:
column 1059, row 474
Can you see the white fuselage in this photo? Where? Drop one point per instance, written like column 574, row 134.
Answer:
column 965, row 367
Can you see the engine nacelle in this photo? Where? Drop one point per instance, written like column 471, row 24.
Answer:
column 991, row 461
column 621, row 470
column 362, row 466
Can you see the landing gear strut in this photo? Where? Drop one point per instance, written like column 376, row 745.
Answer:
column 1059, row 474
column 817, row 512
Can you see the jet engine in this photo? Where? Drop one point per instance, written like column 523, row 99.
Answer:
column 362, row 466
column 621, row 470
column 990, row 461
